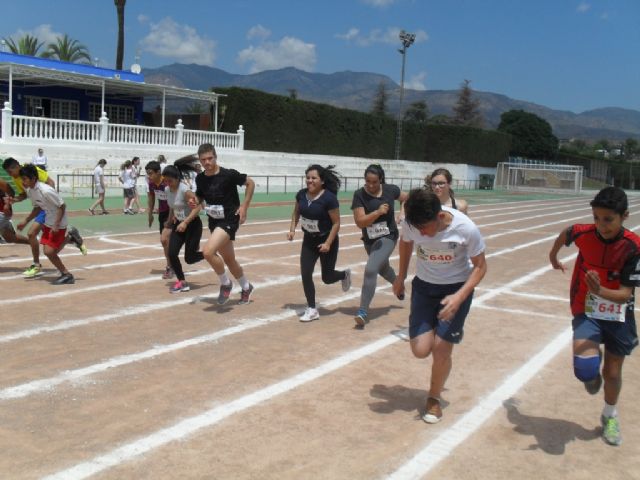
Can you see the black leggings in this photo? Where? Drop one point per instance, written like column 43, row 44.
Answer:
column 309, row 256
column 190, row 238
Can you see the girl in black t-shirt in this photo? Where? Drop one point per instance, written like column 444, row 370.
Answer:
column 217, row 189
column 373, row 212
column 318, row 212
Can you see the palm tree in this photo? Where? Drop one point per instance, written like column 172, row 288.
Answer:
column 68, row 50
column 27, row 45
column 120, row 48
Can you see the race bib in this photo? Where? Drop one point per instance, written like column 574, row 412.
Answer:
column 377, row 230
column 600, row 309
column 214, row 211
column 310, row 226
column 161, row 194
column 435, row 256
column 179, row 214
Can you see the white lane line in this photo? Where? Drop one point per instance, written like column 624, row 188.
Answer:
column 215, row 415
column 523, row 313
column 191, row 425
column 442, row 446
column 46, row 384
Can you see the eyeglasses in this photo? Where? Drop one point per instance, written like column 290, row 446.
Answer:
column 438, row 184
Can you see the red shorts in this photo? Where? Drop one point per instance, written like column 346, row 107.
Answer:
column 54, row 240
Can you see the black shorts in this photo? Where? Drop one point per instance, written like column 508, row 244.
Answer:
column 162, row 220
column 230, row 226
column 129, row 192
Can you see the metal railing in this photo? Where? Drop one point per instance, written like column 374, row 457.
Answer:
column 82, row 184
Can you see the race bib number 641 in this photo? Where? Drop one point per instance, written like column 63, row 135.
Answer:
column 602, row 309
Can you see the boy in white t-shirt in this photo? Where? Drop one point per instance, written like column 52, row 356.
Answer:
column 449, row 266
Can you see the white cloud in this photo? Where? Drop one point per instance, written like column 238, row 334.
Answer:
column 142, row 18
column 416, row 82
column 259, row 32
column 43, row 33
column 179, row 42
column 350, row 35
column 379, row 3
column 583, row 7
column 288, row 52
column 390, row 36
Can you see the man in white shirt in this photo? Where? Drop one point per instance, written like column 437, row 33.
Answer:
column 40, row 160
column 450, row 264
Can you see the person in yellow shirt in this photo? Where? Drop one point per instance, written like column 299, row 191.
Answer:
column 12, row 167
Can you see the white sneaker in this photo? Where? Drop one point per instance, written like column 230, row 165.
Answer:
column 310, row 314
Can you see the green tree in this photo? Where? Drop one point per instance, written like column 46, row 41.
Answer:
column 68, row 50
column 467, row 109
column 120, row 47
column 26, row 45
column 417, row 112
column 440, row 119
column 532, row 136
column 631, row 147
column 380, row 101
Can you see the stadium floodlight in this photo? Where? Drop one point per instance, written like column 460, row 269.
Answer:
column 407, row 40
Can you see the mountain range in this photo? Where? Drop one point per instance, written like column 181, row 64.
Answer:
column 357, row 90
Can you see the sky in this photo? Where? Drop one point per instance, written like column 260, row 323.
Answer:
column 564, row 54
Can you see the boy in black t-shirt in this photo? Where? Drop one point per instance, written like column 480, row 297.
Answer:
column 217, row 188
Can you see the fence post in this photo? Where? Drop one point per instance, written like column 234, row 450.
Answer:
column 7, row 118
column 180, row 129
column 104, row 128
column 240, row 138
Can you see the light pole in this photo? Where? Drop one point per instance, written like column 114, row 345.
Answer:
column 407, row 39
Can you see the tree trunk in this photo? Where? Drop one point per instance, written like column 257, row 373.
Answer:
column 120, row 48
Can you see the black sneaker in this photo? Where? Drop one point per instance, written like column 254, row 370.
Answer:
column 225, row 292
column 65, row 278
column 593, row 386
column 246, row 295
column 74, row 237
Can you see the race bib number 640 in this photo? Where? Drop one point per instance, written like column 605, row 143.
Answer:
column 435, row 256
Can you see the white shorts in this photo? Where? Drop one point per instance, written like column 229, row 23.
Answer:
column 99, row 189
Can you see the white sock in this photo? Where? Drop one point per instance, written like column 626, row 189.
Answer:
column 224, row 280
column 244, row 283
column 609, row 410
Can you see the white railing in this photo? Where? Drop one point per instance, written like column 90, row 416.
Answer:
column 21, row 129
column 54, row 129
column 142, row 135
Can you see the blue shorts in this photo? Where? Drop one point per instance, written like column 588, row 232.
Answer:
column 618, row 338
column 40, row 217
column 425, row 305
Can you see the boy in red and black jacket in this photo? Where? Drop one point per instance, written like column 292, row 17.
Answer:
column 602, row 299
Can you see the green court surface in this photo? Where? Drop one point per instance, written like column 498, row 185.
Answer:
column 264, row 207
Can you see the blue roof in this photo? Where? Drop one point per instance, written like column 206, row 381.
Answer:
column 80, row 68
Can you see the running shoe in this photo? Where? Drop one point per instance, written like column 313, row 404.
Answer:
column 433, row 412
column 593, row 386
column 245, row 295
column 361, row 317
column 309, row 315
column 168, row 273
column 33, row 271
column 611, row 430
column 105, row 212
column 179, row 286
column 225, row 292
column 346, row 281
column 65, row 278
column 74, row 237
column 92, row 212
